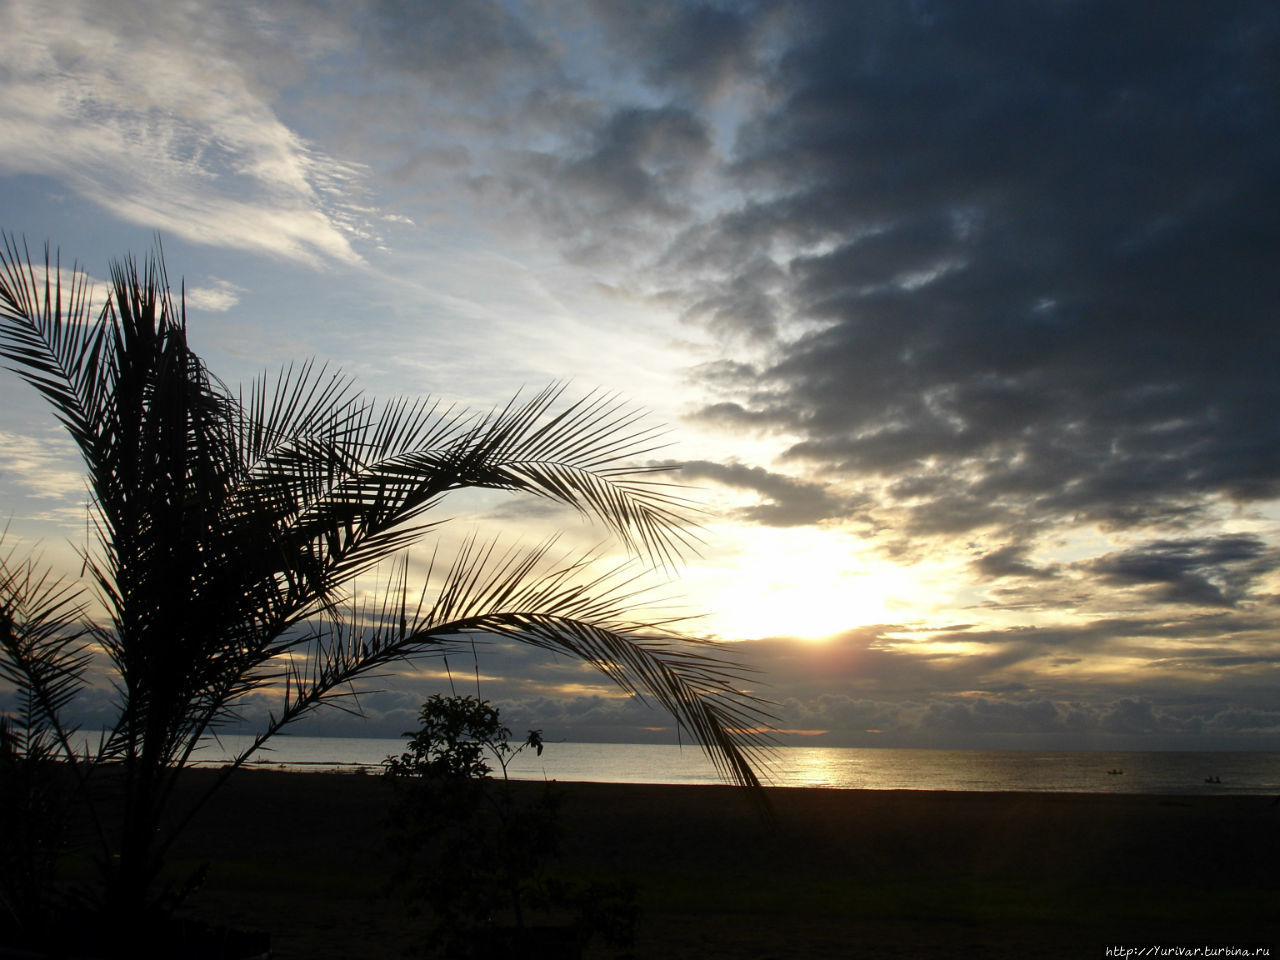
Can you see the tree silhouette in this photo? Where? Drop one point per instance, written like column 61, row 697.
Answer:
column 228, row 528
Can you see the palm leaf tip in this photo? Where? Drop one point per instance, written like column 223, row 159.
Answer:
column 566, row 605
column 43, row 653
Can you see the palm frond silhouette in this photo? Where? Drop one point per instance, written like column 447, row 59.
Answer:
column 228, row 527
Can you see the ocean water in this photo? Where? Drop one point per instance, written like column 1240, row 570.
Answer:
column 840, row 767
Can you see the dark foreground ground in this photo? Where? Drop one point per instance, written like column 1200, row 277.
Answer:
column 840, row 873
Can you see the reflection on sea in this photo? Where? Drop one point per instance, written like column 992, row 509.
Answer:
column 1223, row 773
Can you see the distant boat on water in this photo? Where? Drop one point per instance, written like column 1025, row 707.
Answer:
column 1115, row 772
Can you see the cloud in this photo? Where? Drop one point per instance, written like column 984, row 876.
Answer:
column 618, row 193
column 787, row 502
column 1028, row 722
column 563, row 697
column 45, row 467
column 470, row 49
column 1141, row 674
column 1011, row 561
column 218, row 297
column 169, row 133
column 601, row 126
column 1244, row 721
column 1216, row 571
column 1130, row 715
column 863, row 688
column 697, row 48
column 1035, row 266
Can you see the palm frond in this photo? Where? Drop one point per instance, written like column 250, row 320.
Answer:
column 580, row 456
column 562, row 606
column 42, row 648
column 48, row 331
column 319, row 491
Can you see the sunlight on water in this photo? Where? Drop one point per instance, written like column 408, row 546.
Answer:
column 817, row 767
column 850, row 768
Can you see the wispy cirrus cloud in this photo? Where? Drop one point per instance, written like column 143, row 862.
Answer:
column 44, row 467
column 169, row 131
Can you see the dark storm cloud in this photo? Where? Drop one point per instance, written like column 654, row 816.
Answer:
column 1130, row 715
column 744, row 305
column 1010, row 561
column 1020, row 721
column 624, row 180
column 1246, row 720
column 787, row 502
column 1041, row 245
column 638, row 162
column 465, row 47
column 1209, row 572
column 696, row 48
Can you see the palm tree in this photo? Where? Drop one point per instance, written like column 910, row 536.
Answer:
column 229, row 527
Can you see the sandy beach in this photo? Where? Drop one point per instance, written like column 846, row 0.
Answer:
column 838, row 873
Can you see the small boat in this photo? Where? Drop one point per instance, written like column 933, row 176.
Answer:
column 1214, row 779
column 1115, row 772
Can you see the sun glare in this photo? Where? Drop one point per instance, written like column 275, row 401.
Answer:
column 801, row 584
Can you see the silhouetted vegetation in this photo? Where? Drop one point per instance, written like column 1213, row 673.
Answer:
column 477, row 854
column 227, row 530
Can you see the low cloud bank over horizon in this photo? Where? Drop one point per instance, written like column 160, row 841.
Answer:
column 853, row 690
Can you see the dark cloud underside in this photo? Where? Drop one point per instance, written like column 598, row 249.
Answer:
column 787, row 502
column 1041, row 245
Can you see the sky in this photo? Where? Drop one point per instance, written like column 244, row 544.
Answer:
column 962, row 317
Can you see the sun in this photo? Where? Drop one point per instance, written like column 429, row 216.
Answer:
column 799, row 583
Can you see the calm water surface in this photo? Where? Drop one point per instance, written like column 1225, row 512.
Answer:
column 842, row 767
